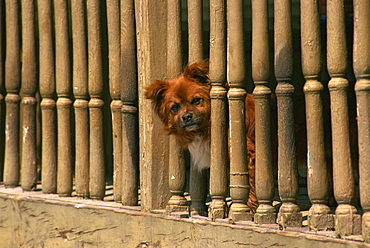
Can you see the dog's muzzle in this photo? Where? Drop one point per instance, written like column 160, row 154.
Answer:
column 189, row 122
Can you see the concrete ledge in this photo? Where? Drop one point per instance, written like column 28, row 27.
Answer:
column 32, row 219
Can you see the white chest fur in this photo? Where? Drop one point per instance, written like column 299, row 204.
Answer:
column 200, row 153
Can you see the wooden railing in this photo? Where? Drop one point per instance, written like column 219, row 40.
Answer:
column 72, row 75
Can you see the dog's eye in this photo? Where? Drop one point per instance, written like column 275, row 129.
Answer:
column 175, row 107
column 196, row 101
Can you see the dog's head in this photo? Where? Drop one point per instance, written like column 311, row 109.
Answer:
column 183, row 104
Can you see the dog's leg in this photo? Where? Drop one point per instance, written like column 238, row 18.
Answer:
column 198, row 192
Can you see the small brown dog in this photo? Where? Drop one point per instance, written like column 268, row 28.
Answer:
column 184, row 106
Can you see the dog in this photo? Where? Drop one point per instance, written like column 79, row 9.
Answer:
column 183, row 105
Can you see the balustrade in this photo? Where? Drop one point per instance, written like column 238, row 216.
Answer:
column 69, row 67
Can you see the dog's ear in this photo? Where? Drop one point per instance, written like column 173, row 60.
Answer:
column 156, row 92
column 198, row 72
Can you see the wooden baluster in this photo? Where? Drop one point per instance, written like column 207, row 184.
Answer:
column 2, row 139
column 198, row 181
column 177, row 201
column 265, row 181
column 114, row 48
column 195, row 27
column 289, row 213
column 47, row 92
column 12, row 86
column 29, row 81
column 64, row 103
column 217, row 74
column 129, row 91
column 347, row 222
column 95, row 82
column 319, row 217
column 80, row 91
column 239, row 179
column 361, row 64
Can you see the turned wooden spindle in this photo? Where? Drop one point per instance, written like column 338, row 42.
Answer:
column 319, row 217
column 361, row 65
column 239, row 177
column 80, row 92
column 265, row 181
column 289, row 213
column 29, row 102
column 95, row 86
column 12, row 98
column 347, row 221
column 195, row 30
column 47, row 92
column 129, row 91
column 217, row 74
column 114, row 55
column 64, row 103
column 2, row 38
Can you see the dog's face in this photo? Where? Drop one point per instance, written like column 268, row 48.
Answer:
column 183, row 103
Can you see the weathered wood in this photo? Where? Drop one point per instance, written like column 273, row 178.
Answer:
column 177, row 172
column 114, row 55
column 2, row 143
column 29, row 87
column 64, row 103
column 177, row 201
column 12, row 86
column 80, row 92
column 129, row 110
column 319, row 217
column 78, row 223
column 95, row 86
column 239, row 178
column 47, row 92
column 195, row 30
column 152, row 65
column 289, row 213
column 265, row 182
column 347, row 221
column 361, row 66
column 217, row 75
column 129, row 156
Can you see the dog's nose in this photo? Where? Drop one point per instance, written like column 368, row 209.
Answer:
column 187, row 117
